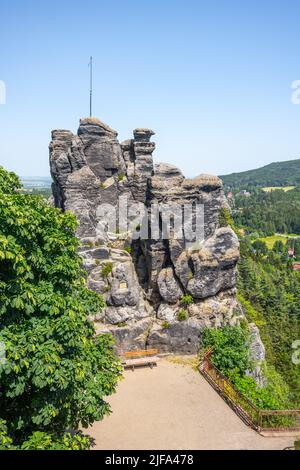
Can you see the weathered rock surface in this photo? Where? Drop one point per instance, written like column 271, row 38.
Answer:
column 257, row 355
column 168, row 286
column 142, row 269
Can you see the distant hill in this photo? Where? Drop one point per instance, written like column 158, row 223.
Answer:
column 274, row 174
column 36, row 182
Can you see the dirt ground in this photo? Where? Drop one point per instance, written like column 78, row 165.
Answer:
column 173, row 407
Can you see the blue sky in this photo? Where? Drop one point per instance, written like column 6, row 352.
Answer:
column 212, row 78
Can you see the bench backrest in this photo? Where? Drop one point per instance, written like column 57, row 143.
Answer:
column 142, row 353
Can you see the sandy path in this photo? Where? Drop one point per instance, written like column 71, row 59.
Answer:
column 173, row 407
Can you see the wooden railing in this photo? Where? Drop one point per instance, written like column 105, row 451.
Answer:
column 260, row 420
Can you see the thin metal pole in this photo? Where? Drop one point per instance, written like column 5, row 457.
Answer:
column 91, row 84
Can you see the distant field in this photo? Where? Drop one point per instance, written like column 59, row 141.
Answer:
column 268, row 189
column 269, row 241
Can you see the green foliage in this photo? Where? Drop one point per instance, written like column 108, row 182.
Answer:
column 262, row 398
column 268, row 213
column 276, row 386
column 182, row 315
column 273, row 396
column 6, row 442
column 107, row 269
column 231, row 356
column 121, row 176
column 53, row 358
column 297, row 445
column 9, row 182
column 225, row 218
column 278, row 247
column 186, row 300
column 269, row 291
column 128, row 249
column 44, row 441
column 260, row 247
column 230, row 348
column 165, row 325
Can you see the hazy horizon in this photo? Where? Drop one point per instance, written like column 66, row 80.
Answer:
column 213, row 80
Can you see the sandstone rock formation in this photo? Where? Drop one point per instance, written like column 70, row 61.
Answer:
column 143, row 270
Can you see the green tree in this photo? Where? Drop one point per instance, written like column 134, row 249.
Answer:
column 56, row 371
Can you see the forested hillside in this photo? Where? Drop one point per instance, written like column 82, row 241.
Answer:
column 268, row 212
column 275, row 174
column 269, row 291
column 268, row 223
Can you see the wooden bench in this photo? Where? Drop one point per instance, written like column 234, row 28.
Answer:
column 142, row 358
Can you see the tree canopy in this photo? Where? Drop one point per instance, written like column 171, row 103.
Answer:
column 55, row 372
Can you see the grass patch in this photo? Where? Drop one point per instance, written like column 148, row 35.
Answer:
column 186, row 300
column 186, row 361
column 182, row 315
column 165, row 325
column 268, row 189
column 107, row 270
column 269, row 241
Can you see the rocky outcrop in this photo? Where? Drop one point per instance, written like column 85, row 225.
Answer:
column 150, row 237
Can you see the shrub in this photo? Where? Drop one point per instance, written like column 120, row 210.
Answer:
column 231, row 355
column 230, row 348
column 165, row 325
column 186, row 300
column 43, row 441
column 225, row 218
column 182, row 315
column 107, row 269
column 263, row 398
column 128, row 249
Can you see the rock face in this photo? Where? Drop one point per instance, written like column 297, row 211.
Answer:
column 150, row 237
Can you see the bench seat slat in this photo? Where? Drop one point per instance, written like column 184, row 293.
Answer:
column 142, row 353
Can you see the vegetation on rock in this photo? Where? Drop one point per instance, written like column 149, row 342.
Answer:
column 182, row 315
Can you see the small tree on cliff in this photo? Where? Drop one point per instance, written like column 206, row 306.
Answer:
column 55, row 373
